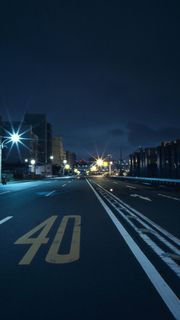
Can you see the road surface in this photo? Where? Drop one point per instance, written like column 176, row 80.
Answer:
column 89, row 249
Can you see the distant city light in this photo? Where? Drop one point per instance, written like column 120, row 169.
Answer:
column 67, row 166
column 93, row 169
column 105, row 164
column 51, row 157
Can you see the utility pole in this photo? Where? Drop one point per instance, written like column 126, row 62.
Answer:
column 120, row 160
column 0, row 159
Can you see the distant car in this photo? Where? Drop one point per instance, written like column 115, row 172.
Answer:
column 81, row 176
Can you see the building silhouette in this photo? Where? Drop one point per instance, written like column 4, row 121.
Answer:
column 162, row 161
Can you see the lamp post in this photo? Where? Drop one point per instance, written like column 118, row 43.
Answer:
column 64, row 164
column 110, row 169
column 33, row 162
column 13, row 138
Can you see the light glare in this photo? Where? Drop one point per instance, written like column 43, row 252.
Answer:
column 99, row 162
column 15, row 137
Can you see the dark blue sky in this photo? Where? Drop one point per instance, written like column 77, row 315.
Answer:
column 107, row 73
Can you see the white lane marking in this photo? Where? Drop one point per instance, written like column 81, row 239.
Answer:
column 115, row 182
column 161, row 253
column 169, row 197
column 5, row 219
column 50, row 193
column 64, row 185
column 141, row 218
column 141, row 197
column 166, row 293
column 4, row 192
column 131, row 187
column 152, row 223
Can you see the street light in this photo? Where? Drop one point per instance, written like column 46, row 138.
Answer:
column 14, row 138
column 67, row 166
column 33, row 162
column 64, row 163
column 99, row 162
column 51, row 157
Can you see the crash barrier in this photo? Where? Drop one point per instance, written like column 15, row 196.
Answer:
column 152, row 180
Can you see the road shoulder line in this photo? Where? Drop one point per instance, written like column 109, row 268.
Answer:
column 166, row 293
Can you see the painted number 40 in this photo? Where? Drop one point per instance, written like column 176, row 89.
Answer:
column 53, row 255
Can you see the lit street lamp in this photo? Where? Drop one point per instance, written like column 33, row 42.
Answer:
column 67, row 166
column 64, row 165
column 33, row 162
column 99, row 162
column 13, row 138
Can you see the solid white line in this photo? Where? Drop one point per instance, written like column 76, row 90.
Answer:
column 140, row 218
column 162, row 254
column 49, row 194
column 5, row 219
column 166, row 293
column 165, row 232
column 169, row 197
column 4, row 192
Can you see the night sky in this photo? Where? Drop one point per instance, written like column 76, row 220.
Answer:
column 107, row 73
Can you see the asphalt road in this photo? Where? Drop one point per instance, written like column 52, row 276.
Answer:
column 89, row 249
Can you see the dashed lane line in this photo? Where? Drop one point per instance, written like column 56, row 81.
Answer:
column 5, row 219
column 131, row 187
column 169, row 197
column 50, row 193
column 140, row 197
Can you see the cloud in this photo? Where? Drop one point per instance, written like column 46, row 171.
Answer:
column 142, row 135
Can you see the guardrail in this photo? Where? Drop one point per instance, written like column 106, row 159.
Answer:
column 151, row 180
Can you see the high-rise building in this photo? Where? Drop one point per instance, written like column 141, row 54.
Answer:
column 58, row 151
column 42, row 129
column 49, row 141
column 71, row 158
